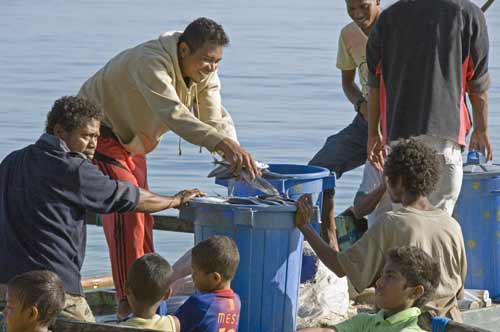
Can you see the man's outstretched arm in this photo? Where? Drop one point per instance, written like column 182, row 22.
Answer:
column 150, row 202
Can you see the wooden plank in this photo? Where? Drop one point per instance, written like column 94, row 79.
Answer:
column 105, row 281
column 487, row 5
column 173, row 224
column 62, row 325
column 163, row 223
column 487, row 318
column 425, row 322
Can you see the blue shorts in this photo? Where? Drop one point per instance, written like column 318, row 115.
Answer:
column 345, row 150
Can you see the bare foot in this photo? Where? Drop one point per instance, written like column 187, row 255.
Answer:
column 123, row 310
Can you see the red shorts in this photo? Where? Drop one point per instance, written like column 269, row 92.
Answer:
column 129, row 235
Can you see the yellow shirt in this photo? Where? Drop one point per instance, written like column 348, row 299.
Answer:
column 351, row 53
column 433, row 231
column 163, row 323
column 143, row 95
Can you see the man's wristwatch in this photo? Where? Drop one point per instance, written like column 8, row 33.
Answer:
column 357, row 104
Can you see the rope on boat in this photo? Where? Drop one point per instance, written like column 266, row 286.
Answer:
column 487, row 5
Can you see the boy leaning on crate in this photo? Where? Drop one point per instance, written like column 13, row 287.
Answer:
column 215, row 307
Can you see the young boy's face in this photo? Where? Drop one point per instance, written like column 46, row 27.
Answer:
column 17, row 318
column 363, row 12
column 204, row 281
column 392, row 292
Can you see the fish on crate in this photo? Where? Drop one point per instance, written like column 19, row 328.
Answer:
column 261, row 200
column 223, row 171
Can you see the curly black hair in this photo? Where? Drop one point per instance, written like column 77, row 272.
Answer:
column 418, row 268
column 416, row 164
column 71, row 112
column 204, row 31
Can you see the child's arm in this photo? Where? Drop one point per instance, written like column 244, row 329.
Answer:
column 327, row 254
column 182, row 267
column 191, row 314
column 177, row 323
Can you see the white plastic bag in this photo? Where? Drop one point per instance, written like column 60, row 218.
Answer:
column 324, row 300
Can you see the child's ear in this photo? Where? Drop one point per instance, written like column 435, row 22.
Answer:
column 168, row 293
column 33, row 314
column 217, row 277
column 418, row 291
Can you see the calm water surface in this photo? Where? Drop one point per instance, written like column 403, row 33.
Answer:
column 278, row 75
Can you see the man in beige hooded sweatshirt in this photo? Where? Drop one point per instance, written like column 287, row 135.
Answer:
column 169, row 83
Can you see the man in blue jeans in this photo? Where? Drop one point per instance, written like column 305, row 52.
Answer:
column 346, row 150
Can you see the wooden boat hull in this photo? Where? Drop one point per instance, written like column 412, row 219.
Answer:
column 102, row 300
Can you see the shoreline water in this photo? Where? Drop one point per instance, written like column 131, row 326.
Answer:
column 279, row 82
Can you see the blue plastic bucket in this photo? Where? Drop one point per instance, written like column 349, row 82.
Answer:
column 301, row 179
column 267, row 279
column 478, row 212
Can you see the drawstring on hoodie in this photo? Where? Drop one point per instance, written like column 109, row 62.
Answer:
column 196, row 113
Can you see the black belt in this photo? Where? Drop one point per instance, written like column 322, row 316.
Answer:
column 106, row 132
column 108, row 160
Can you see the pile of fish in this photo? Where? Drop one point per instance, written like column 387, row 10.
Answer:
column 223, row 171
column 258, row 200
column 261, row 200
